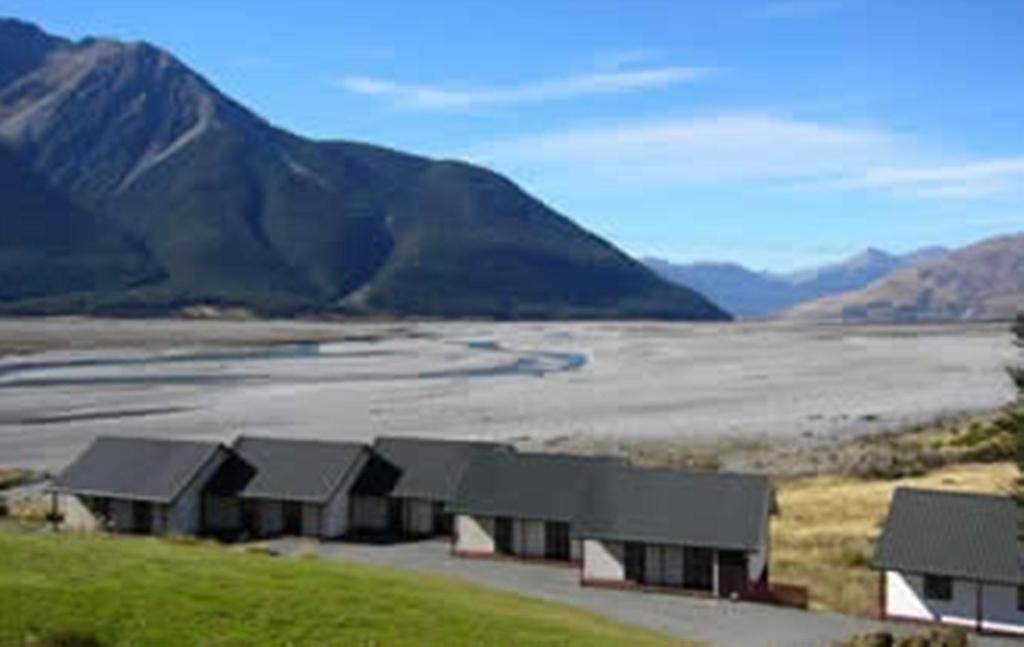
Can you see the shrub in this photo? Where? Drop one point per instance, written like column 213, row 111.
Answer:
column 66, row 639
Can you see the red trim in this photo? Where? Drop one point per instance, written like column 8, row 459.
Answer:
column 938, row 623
column 482, row 554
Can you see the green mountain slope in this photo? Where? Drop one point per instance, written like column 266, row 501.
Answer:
column 237, row 212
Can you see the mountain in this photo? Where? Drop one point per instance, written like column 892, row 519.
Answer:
column 748, row 293
column 200, row 201
column 984, row 281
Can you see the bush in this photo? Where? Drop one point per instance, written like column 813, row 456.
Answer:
column 66, row 639
column 853, row 558
column 935, row 638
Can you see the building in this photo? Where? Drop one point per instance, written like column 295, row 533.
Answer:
column 952, row 558
column 137, row 485
column 696, row 531
column 275, row 486
column 406, row 486
column 523, row 505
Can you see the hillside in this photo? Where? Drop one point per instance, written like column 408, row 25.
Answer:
column 981, row 282
column 223, row 208
column 127, row 591
column 748, row 293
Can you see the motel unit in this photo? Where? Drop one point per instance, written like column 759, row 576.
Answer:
column 952, row 558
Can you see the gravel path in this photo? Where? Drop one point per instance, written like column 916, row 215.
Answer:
column 715, row 622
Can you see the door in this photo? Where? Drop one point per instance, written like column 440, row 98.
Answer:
column 142, row 517
column 635, row 562
column 698, row 568
column 396, row 516
column 556, row 540
column 503, row 536
column 732, row 573
column 442, row 520
column 292, row 518
column 251, row 518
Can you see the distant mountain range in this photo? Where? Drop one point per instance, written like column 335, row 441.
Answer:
column 753, row 294
column 131, row 185
column 984, row 281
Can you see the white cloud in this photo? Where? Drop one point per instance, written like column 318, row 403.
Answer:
column 753, row 150
column 716, row 148
column 426, row 97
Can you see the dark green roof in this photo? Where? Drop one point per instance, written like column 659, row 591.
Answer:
column 528, row 486
column 288, row 469
column 142, row 469
column 728, row 511
column 429, row 468
column 971, row 536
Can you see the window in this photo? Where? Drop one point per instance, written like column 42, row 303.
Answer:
column 938, row 587
column 1020, row 598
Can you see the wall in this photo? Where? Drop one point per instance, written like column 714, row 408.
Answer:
column 663, row 565
column 311, row 515
column 1000, row 607
column 78, row 513
column 185, row 515
column 474, row 534
column 418, row 516
column 528, row 538
column 757, row 561
column 904, row 597
column 222, row 513
column 575, row 550
column 335, row 519
column 271, row 517
column 369, row 513
column 603, row 560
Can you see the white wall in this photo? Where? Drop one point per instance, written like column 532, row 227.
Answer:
column 575, row 550
column 78, row 513
column 1000, row 609
column 904, row 597
column 335, row 519
column 474, row 534
column 369, row 513
column 603, row 560
column 757, row 561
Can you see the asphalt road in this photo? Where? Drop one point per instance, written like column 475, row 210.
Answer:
column 716, row 622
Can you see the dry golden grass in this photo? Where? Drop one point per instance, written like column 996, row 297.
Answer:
column 825, row 534
column 10, row 477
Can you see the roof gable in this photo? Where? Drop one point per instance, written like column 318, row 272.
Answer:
column 728, row 511
column 950, row 533
column 145, row 469
column 429, row 468
column 288, row 469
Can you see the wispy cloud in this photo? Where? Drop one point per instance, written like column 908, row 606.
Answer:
column 755, row 150
column 792, row 9
column 429, row 97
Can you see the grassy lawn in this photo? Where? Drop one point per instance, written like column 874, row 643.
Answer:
column 145, row 591
column 824, row 538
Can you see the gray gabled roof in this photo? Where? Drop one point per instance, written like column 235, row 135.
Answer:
column 528, row 486
column 972, row 536
column 728, row 511
column 141, row 469
column 428, row 468
column 288, row 469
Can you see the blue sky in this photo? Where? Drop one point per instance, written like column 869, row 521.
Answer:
column 777, row 133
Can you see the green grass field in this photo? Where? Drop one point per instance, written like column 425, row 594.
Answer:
column 144, row 591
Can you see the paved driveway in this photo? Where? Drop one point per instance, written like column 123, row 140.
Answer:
column 716, row 622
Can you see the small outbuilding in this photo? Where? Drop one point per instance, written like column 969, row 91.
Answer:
column 524, row 505
column 406, row 486
column 282, row 486
column 695, row 531
column 137, row 485
column 952, row 558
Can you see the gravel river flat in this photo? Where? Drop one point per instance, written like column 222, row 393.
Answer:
column 65, row 381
